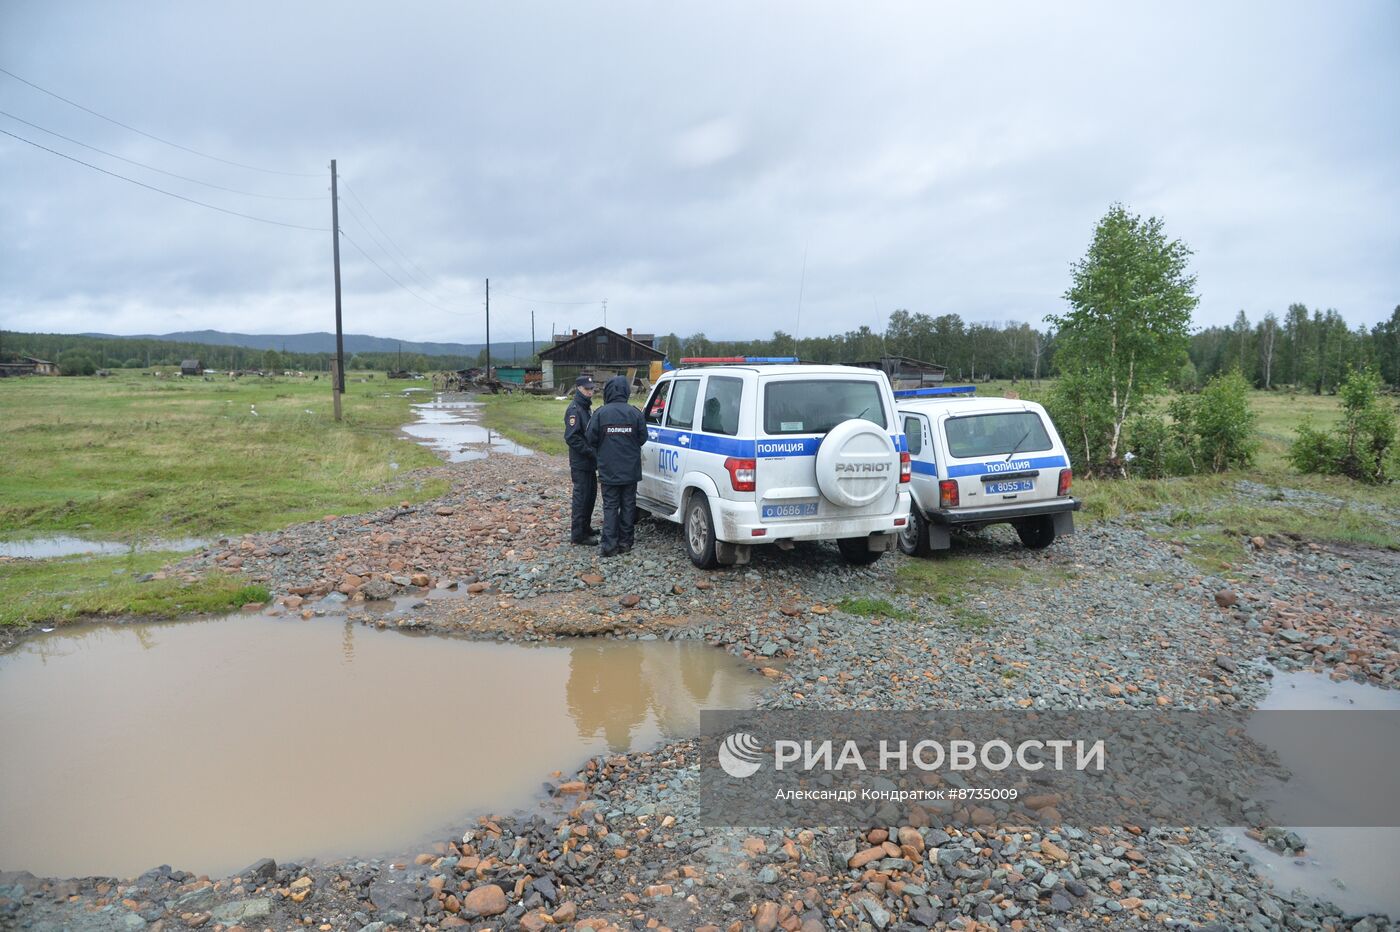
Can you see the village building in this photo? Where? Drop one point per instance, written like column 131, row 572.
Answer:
column 906, row 373
column 191, row 367
column 28, row 365
column 601, row 353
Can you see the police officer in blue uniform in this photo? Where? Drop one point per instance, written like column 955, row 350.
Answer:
column 617, row 433
column 583, row 462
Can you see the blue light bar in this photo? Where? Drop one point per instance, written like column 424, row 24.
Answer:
column 936, row 392
column 771, row 360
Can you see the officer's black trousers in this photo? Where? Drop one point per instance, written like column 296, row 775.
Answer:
column 619, row 516
column 585, row 497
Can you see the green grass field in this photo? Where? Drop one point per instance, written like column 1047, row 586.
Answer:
column 34, row 591
column 133, row 456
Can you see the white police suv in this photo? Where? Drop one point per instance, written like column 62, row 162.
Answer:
column 746, row 450
column 980, row 461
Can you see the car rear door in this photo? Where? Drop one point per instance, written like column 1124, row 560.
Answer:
column 1002, row 457
column 795, row 414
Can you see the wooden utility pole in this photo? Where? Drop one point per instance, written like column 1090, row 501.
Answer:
column 488, row 329
column 335, row 392
column 338, row 377
column 533, row 348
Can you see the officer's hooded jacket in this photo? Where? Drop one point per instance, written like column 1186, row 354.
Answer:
column 581, row 455
column 617, row 432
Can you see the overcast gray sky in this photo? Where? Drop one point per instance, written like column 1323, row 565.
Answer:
column 679, row 160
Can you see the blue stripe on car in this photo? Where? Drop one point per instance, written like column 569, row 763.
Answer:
column 994, row 467
column 747, row 449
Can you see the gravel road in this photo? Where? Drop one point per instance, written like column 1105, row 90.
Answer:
column 1111, row 618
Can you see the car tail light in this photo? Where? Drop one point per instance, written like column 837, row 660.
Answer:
column 742, row 473
column 1066, row 476
column 948, row 493
column 906, row 468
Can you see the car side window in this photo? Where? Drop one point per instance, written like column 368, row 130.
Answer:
column 914, row 431
column 656, row 407
column 682, row 413
column 720, row 412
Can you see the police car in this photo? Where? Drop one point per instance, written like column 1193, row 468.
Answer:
column 747, row 450
column 980, row 461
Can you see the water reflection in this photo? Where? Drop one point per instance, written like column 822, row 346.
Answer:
column 273, row 730
column 452, row 427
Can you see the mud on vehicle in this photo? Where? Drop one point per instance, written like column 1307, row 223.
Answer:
column 744, row 452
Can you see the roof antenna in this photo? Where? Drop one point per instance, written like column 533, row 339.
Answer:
column 801, row 289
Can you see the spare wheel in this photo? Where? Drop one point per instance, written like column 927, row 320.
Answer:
column 856, row 463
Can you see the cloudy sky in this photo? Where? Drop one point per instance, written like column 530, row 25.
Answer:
column 684, row 161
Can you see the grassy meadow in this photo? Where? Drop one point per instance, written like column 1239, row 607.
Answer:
column 134, row 457
column 137, row 458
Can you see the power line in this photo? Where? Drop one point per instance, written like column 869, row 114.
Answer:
column 101, row 116
column 391, row 277
column 422, row 277
column 355, row 215
column 370, row 215
column 151, row 187
column 122, row 158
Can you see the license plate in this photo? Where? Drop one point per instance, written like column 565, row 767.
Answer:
column 803, row 510
column 1008, row 486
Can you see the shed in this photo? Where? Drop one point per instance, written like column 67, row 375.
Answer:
column 191, row 367
column 905, row 372
column 599, row 352
column 41, row 366
column 8, row 369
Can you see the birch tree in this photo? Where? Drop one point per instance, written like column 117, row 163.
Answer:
column 1126, row 330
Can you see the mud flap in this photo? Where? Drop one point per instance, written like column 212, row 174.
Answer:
column 882, row 543
column 939, row 537
column 727, row 554
column 1064, row 523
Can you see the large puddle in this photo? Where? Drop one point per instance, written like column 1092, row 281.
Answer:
column 453, row 428
column 39, row 548
column 209, row 744
column 1352, row 867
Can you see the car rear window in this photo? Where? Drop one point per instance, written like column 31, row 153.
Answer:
column 815, row 406
column 996, row 434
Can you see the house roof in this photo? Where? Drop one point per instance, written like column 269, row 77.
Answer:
column 633, row 344
column 190, row 364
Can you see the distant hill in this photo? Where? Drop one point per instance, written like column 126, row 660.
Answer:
column 325, row 343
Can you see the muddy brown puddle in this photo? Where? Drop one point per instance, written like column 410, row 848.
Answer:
column 209, row 744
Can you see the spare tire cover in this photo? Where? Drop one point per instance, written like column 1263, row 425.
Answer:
column 856, row 463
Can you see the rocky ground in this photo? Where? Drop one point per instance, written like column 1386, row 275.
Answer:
column 1115, row 617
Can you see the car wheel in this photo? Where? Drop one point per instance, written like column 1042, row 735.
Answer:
column 856, row 551
column 1036, row 533
column 913, row 537
column 698, row 531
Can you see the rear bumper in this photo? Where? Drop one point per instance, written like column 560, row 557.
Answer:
column 1002, row 515
column 735, row 523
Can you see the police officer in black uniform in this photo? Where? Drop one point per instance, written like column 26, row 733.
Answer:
column 617, row 433
column 583, row 462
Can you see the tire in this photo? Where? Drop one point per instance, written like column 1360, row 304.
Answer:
column 1036, row 533
column 856, row 551
column 698, row 531
column 913, row 540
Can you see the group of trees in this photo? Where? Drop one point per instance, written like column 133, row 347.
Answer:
column 1308, row 349
column 78, row 354
column 971, row 351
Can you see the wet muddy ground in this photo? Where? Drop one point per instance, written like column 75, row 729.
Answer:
column 1076, row 626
